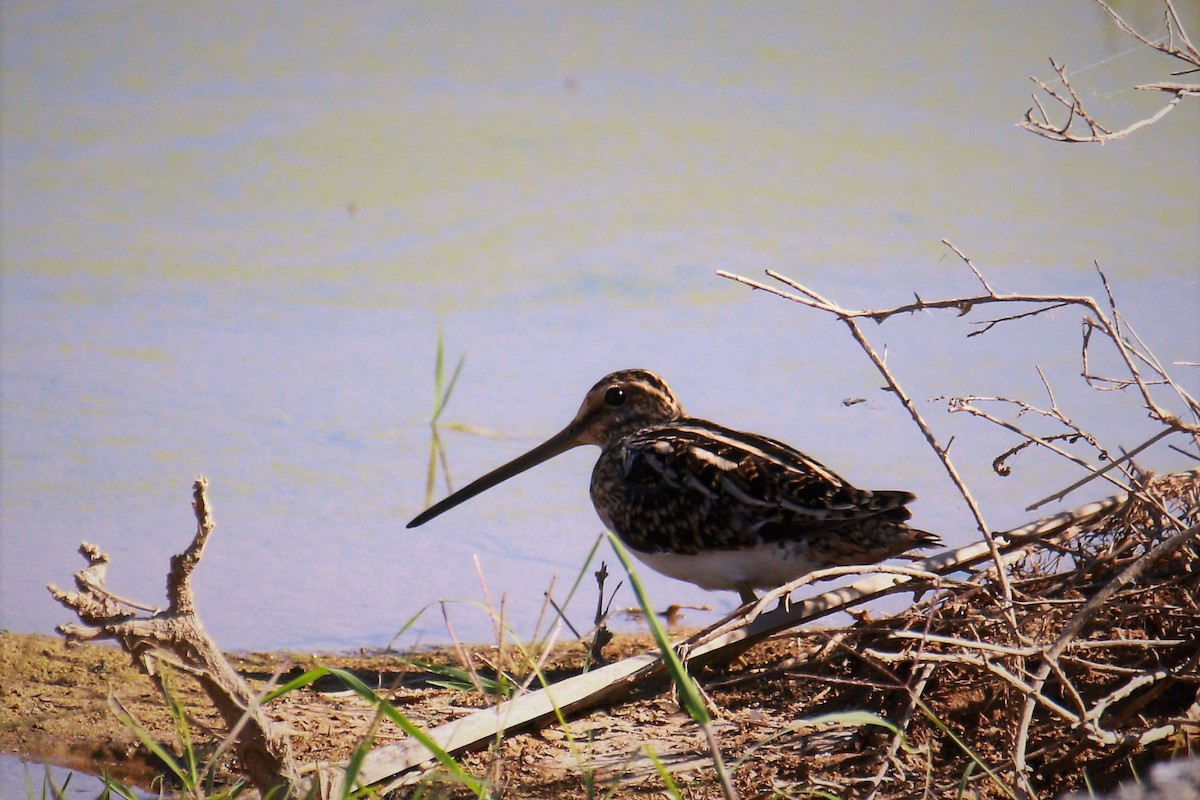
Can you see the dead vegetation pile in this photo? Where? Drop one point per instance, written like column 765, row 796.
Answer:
column 1092, row 676
column 1085, row 681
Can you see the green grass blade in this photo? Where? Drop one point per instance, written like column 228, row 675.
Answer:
column 441, row 388
column 299, row 682
column 56, row 792
column 354, row 767
column 966, row 748
column 435, row 449
column 445, row 396
column 114, row 787
column 353, row 683
column 441, row 396
column 129, row 721
column 965, row 780
column 663, row 772
column 191, row 761
column 689, row 693
column 439, row 360
column 459, row 679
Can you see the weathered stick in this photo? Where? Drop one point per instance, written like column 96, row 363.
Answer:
column 177, row 637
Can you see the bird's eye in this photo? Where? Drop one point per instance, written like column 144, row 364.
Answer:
column 615, row 396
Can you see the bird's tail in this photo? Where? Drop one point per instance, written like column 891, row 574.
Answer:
column 922, row 539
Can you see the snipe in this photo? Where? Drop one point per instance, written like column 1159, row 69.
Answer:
column 706, row 504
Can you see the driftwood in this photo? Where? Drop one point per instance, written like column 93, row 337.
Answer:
column 175, row 636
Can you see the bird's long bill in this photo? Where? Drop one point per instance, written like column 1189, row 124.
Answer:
column 561, row 442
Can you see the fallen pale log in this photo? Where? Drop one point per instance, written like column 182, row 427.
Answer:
column 398, row 764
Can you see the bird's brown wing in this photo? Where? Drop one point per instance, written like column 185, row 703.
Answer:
column 695, row 485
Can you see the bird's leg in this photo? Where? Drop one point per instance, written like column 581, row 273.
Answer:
column 749, row 598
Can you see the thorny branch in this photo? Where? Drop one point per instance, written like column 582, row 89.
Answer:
column 811, row 298
column 963, row 305
column 1131, row 351
column 1144, row 371
column 1175, row 44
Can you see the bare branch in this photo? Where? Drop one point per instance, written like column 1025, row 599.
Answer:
column 893, row 385
column 1060, row 494
column 978, row 275
column 176, row 636
column 1175, row 44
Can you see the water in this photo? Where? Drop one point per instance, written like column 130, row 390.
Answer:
column 19, row 779
column 232, row 233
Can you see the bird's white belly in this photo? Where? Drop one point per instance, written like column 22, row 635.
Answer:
column 765, row 566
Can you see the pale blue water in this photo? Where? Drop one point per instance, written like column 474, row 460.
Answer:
column 21, row 780
column 231, row 234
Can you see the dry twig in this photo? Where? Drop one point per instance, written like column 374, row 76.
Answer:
column 1144, row 369
column 1004, row 654
column 1175, row 44
column 810, row 298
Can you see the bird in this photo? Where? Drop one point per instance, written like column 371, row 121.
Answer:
column 702, row 503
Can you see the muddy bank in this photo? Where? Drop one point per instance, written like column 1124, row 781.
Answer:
column 57, row 709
